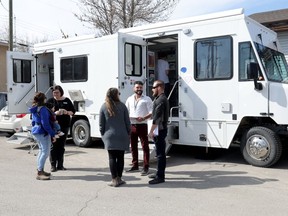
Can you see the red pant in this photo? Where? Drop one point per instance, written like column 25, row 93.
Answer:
column 139, row 130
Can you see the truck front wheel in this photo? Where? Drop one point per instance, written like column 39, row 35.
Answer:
column 261, row 146
column 81, row 133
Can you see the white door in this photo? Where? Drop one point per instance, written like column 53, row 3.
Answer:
column 132, row 63
column 20, row 81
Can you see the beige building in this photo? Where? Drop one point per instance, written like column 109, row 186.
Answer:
column 3, row 48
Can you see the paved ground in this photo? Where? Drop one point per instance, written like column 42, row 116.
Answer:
column 222, row 184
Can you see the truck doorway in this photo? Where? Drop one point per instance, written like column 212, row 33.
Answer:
column 168, row 47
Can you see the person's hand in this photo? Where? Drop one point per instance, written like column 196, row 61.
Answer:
column 151, row 136
column 65, row 112
column 140, row 119
column 70, row 113
column 53, row 139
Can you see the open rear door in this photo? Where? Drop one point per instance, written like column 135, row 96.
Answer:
column 132, row 62
column 20, row 81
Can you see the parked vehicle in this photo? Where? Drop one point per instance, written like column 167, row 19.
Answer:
column 228, row 80
column 12, row 123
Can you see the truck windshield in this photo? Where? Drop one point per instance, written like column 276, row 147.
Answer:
column 274, row 63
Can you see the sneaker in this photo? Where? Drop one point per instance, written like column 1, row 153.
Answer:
column 132, row 169
column 157, row 181
column 152, row 176
column 60, row 133
column 113, row 183
column 120, row 181
column 144, row 171
column 61, row 168
column 53, row 169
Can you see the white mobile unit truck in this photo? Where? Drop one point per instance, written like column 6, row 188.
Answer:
column 229, row 82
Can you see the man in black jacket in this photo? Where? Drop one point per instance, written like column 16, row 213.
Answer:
column 158, row 130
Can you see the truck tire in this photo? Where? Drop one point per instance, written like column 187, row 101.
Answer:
column 81, row 133
column 261, row 147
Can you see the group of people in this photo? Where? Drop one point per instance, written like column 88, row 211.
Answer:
column 120, row 125
column 50, row 126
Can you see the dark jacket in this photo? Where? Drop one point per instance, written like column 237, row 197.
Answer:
column 160, row 113
column 115, row 130
column 41, row 123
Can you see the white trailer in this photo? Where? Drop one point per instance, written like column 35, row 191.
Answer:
column 228, row 78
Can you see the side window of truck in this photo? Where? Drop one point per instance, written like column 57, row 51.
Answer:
column 133, row 59
column 246, row 56
column 22, row 71
column 74, row 69
column 213, row 58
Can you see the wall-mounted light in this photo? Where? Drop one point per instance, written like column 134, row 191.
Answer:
column 60, row 50
column 187, row 31
column 161, row 33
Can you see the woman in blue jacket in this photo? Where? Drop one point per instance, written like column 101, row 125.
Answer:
column 43, row 132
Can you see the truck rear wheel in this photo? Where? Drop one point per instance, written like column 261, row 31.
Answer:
column 261, row 146
column 81, row 133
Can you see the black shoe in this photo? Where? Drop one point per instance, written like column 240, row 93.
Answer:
column 133, row 169
column 145, row 172
column 152, row 176
column 53, row 169
column 61, row 168
column 157, row 181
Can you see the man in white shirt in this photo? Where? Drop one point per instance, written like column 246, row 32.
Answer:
column 163, row 72
column 140, row 109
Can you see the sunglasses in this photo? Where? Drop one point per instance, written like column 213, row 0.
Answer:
column 155, row 87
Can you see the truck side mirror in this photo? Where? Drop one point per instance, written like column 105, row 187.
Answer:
column 252, row 73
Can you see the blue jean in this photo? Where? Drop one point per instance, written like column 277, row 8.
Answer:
column 160, row 145
column 44, row 143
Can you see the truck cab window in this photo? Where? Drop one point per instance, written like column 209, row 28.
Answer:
column 213, row 58
column 74, row 69
column 273, row 62
column 133, row 60
column 247, row 56
column 22, row 71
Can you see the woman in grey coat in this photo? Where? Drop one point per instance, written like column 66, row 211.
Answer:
column 114, row 125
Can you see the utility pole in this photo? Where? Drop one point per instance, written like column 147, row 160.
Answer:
column 10, row 25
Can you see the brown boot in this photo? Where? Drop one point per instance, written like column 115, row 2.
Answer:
column 46, row 173
column 41, row 176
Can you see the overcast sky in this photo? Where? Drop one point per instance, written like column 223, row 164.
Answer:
column 46, row 18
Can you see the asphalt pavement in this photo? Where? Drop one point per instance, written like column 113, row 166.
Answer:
column 219, row 184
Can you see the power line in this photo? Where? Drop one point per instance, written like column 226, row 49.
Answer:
column 24, row 27
column 33, row 27
column 4, row 6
